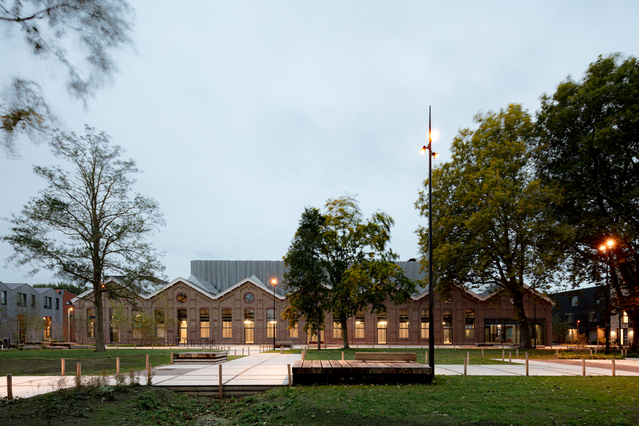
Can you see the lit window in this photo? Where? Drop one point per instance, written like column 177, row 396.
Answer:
column 160, row 324
column 337, row 328
column 293, row 332
column 574, row 301
column 425, row 324
column 227, row 324
column 270, row 323
column 22, row 299
column 205, row 331
column 470, row 324
column 90, row 322
column 624, row 317
column 3, row 297
column 360, row 326
column 403, row 324
column 137, row 323
column 47, row 328
column 47, row 302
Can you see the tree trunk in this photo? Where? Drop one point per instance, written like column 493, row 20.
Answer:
column 343, row 320
column 99, row 317
column 319, row 344
column 520, row 313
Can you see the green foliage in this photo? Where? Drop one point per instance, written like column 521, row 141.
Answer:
column 103, row 224
column 588, row 146
column 60, row 285
column 559, row 330
column 491, row 230
column 95, row 27
column 348, row 256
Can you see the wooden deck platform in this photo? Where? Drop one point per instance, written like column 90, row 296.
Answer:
column 355, row 372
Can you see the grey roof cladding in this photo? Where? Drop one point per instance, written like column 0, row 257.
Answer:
column 222, row 274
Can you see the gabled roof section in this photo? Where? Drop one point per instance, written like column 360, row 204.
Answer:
column 183, row 281
column 203, row 284
column 249, row 281
column 14, row 286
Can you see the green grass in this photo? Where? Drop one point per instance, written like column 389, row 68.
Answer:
column 442, row 356
column 451, row 400
column 47, row 362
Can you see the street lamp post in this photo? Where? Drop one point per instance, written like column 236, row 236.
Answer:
column 69, row 324
column 274, row 282
column 605, row 249
column 431, row 296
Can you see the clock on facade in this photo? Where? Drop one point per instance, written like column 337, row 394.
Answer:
column 248, row 298
column 181, row 297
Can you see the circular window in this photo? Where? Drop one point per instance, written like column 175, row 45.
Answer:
column 181, row 297
column 248, row 298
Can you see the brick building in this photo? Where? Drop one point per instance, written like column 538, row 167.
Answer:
column 231, row 302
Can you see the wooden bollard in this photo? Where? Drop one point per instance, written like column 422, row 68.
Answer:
column 510, row 358
column 62, row 366
column 280, row 350
column 290, row 381
column 78, row 372
column 465, row 367
column 614, row 372
column 149, row 377
column 516, row 353
column 527, row 368
column 242, row 351
column 583, row 367
column 235, row 353
column 503, row 355
column 146, row 366
column 171, row 361
column 220, row 386
column 342, row 355
column 117, row 365
column 557, row 353
column 482, row 352
column 590, row 353
column 9, row 386
column 468, row 356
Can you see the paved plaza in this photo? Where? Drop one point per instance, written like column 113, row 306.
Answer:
column 271, row 369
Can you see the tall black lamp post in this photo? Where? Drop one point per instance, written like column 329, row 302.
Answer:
column 605, row 249
column 274, row 282
column 431, row 321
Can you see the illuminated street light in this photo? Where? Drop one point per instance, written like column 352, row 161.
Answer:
column 606, row 249
column 431, row 325
column 274, row 282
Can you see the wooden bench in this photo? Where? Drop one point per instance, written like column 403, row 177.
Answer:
column 199, row 357
column 285, row 344
column 368, row 368
column 386, row 356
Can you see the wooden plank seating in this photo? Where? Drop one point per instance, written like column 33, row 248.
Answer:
column 285, row 344
column 199, row 357
column 386, row 356
column 381, row 368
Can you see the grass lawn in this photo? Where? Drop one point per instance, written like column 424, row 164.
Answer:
column 442, row 356
column 47, row 362
column 452, row 400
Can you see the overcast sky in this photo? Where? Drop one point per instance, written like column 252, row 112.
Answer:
column 243, row 113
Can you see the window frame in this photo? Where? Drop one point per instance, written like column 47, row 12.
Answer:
column 403, row 331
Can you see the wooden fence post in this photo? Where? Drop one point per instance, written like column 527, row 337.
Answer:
column 482, row 352
column 510, row 358
column 62, row 366
column 614, row 372
column 290, row 381
column 527, row 368
column 517, row 353
column 465, row 366
column 468, row 356
column 117, row 365
column 171, row 358
column 149, row 377
column 146, row 366
column 503, row 355
column 342, row 355
column 583, row 367
column 79, row 371
column 220, row 386
column 9, row 386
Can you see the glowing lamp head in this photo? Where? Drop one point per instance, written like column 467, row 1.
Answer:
column 602, row 248
column 435, row 155
column 423, row 150
column 274, row 281
column 610, row 243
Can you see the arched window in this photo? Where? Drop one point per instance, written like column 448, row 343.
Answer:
column 470, row 324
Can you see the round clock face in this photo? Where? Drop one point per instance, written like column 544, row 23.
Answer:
column 248, row 298
column 181, row 297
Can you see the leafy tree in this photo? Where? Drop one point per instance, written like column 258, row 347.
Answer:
column 589, row 145
column 97, row 27
column 491, row 230
column 87, row 225
column 355, row 262
column 559, row 330
column 306, row 281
